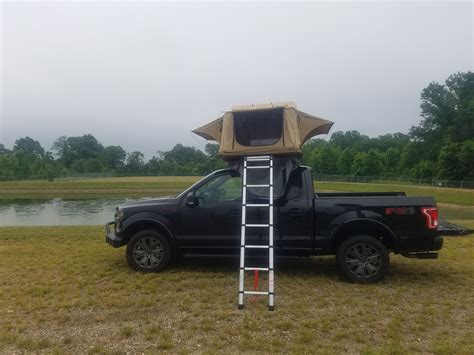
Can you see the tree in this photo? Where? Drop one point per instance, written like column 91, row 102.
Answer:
column 212, row 150
column 387, row 141
column 28, row 146
column 350, row 139
column 391, row 161
column 309, row 147
column 182, row 155
column 447, row 111
column 409, row 157
column 448, row 162
column 71, row 149
column 367, row 164
column 424, row 170
column 135, row 162
column 324, row 160
column 346, row 159
column 59, row 147
column 466, row 159
column 114, row 157
column 8, row 166
column 4, row 150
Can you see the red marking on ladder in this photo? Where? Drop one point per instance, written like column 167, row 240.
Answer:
column 255, row 286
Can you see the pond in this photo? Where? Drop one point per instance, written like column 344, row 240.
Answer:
column 58, row 212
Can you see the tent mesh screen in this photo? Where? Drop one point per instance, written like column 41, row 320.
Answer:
column 258, row 128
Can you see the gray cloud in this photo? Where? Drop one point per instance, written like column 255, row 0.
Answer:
column 144, row 74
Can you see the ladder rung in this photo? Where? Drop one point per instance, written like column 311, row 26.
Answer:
column 258, row 185
column 256, row 293
column 262, row 158
column 257, row 246
column 259, row 167
column 257, row 225
column 257, row 205
column 256, row 268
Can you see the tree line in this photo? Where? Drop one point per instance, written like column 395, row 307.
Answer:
column 85, row 155
column 441, row 146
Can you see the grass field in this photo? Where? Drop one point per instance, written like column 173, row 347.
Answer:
column 445, row 195
column 62, row 289
column 96, row 187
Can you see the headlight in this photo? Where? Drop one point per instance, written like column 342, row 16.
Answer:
column 118, row 217
column 118, row 214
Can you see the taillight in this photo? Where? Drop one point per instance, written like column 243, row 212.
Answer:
column 431, row 216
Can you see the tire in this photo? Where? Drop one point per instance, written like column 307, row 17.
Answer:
column 148, row 251
column 363, row 259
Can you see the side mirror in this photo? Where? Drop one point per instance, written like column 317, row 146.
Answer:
column 191, row 200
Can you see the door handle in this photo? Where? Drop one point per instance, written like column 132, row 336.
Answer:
column 296, row 212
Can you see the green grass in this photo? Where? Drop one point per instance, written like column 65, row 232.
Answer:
column 445, row 195
column 96, row 187
column 63, row 290
column 456, row 212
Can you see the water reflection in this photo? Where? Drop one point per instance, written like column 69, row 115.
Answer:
column 57, row 212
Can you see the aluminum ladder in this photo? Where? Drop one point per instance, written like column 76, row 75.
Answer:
column 268, row 161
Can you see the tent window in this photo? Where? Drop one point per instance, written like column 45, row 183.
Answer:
column 257, row 128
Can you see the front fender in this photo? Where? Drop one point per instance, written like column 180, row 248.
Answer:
column 140, row 217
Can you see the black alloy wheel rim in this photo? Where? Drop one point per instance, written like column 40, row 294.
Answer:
column 363, row 260
column 148, row 252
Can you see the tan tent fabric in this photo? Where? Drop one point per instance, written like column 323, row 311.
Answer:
column 212, row 131
column 311, row 126
column 297, row 128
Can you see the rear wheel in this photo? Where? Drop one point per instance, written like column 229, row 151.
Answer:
column 363, row 259
column 148, row 251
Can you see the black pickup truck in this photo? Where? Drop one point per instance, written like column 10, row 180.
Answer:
column 361, row 229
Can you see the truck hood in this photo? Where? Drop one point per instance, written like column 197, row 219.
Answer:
column 155, row 203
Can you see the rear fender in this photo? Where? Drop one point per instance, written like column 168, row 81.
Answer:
column 369, row 223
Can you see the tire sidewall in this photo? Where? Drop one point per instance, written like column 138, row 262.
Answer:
column 143, row 234
column 366, row 239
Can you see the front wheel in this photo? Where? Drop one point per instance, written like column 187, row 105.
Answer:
column 363, row 259
column 148, row 251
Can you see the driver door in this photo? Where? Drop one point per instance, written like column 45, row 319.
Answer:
column 213, row 222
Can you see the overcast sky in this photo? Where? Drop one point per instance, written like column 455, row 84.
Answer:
column 143, row 75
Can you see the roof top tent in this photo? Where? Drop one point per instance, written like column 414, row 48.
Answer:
column 276, row 129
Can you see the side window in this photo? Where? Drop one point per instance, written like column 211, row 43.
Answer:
column 295, row 185
column 232, row 188
column 221, row 188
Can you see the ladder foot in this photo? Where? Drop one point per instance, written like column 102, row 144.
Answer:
column 271, row 308
column 241, row 306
